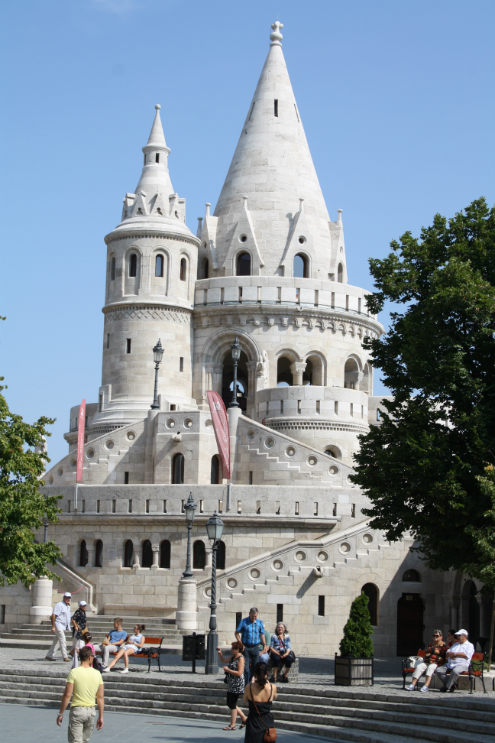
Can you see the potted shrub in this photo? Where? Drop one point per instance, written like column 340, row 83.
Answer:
column 354, row 665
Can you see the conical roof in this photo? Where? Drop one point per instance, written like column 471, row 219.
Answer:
column 157, row 137
column 155, row 177
column 273, row 168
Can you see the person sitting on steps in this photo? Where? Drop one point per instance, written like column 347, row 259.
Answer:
column 133, row 645
column 281, row 652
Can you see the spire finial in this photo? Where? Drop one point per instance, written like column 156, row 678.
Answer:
column 276, row 37
column 157, row 106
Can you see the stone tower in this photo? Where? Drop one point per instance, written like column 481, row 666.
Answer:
column 151, row 270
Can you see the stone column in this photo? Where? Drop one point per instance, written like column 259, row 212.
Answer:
column 186, row 616
column 298, row 368
column 42, row 600
column 156, row 551
column 217, row 376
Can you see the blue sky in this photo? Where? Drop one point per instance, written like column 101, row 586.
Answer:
column 396, row 98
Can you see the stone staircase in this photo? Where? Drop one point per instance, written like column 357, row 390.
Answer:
column 40, row 637
column 337, row 713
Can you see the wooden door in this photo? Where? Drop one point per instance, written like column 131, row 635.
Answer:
column 410, row 625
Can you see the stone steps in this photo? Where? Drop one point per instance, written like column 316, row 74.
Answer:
column 356, row 716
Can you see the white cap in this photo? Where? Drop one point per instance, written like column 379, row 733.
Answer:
column 462, row 632
column 67, row 595
column 82, row 603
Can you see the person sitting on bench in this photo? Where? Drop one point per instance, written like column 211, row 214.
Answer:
column 133, row 645
column 434, row 657
column 458, row 660
column 112, row 642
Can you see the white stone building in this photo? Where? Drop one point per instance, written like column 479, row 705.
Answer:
column 268, row 266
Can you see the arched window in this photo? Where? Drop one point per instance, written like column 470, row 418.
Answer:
column 333, row 451
column 183, row 269
column 157, row 157
column 83, row 554
column 411, row 576
column 99, row 554
column 300, row 266
column 351, row 374
column 165, row 554
column 371, row 591
column 128, row 554
column 244, row 264
column 112, row 269
column 340, row 273
column 133, row 265
column 199, row 555
column 284, row 372
column 220, row 555
column 178, row 469
column 159, row 266
column 146, row 554
column 216, row 470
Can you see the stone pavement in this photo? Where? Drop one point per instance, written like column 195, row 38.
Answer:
column 313, row 672
column 28, row 724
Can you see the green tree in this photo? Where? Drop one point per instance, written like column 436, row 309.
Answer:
column 424, row 467
column 22, row 506
column 358, row 630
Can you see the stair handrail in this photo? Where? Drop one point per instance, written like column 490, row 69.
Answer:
column 87, row 584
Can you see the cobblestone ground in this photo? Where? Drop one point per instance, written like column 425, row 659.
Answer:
column 313, row 672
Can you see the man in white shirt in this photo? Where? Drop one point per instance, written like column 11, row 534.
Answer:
column 458, row 660
column 60, row 623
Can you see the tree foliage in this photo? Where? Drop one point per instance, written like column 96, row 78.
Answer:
column 358, row 630
column 22, row 506
column 425, row 467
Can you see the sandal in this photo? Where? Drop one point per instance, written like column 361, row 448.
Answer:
column 243, row 724
column 229, row 727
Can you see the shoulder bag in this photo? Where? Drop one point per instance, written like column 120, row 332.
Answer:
column 270, row 734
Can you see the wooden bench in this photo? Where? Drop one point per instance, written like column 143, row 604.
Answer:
column 475, row 670
column 150, row 653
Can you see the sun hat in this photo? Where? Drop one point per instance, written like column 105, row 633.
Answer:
column 67, row 595
column 462, row 632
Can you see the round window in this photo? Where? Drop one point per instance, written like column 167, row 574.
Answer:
column 60, row 472
column 90, row 453
column 243, row 238
column 170, row 423
column 130, row 436
column 269, row 443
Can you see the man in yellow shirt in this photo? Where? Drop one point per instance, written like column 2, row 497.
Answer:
column 85, row 685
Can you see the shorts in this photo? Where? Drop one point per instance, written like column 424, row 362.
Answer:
column 232, row 698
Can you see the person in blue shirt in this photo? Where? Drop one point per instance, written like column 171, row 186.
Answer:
column 113, row 641
column 251, row 633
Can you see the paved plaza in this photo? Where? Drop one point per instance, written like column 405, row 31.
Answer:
column 27, row 724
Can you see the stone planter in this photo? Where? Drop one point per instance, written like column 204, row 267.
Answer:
column 351, row 671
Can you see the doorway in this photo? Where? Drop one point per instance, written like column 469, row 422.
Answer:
column 242, row 380
column 410, row 626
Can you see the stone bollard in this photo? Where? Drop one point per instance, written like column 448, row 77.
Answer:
column 186, row 616
column 42, row 600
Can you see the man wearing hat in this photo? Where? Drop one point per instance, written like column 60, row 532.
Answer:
column 458, row 660
column 60, row 624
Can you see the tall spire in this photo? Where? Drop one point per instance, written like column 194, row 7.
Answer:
column 272, row 166
column 157, row 137
column 155, row 177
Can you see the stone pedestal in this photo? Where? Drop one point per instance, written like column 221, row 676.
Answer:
column 42, row 600
column 186, row 616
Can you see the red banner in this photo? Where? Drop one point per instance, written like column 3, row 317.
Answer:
column 221, row 428
column 81, row 425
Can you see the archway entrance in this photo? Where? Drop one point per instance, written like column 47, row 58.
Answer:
column 410, row 625
column 471, row 611
column 228, row 380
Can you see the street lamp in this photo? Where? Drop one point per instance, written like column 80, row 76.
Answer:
column 157, row 358
column 236, row 355
column 214, row 529
column 189, row 508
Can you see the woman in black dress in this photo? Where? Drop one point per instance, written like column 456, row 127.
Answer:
column 259, row 694
column 234, row 672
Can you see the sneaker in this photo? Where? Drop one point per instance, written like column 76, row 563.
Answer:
column 126, row 670
column 105, row 670
column 424, row 688
column 410, row 687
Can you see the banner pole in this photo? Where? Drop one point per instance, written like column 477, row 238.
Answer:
column 229, row 492
column 75, row 499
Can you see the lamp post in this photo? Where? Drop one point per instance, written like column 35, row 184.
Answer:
column 236, row 354
column 157, row 358
column 214, row 529
column 189, row 508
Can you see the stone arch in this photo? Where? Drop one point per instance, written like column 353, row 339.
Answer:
column 132, row 283
column 213, row 357
column 146, row 554
column 373, row 593
column 470, row 609
column 318, row 370
column 353, row 373
column 333, row 451
column 243, row 265
column 301, row 264
column 365, row 384
column 160, row 284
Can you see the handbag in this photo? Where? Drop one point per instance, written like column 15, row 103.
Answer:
column 270, row 734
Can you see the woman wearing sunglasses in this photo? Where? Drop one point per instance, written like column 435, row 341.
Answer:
column 434, row 657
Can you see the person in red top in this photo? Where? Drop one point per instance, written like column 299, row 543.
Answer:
column 434, row 657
